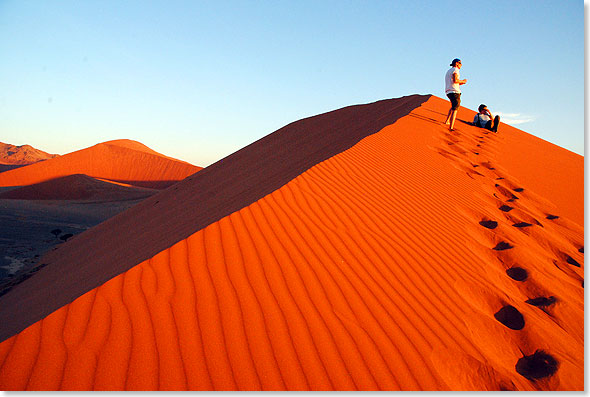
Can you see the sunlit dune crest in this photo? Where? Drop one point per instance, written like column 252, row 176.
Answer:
column 409, row 258
column 124, row 161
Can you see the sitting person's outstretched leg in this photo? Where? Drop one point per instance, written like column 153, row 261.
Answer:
column 496, row 123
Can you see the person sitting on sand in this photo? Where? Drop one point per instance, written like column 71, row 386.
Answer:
column 484, row 119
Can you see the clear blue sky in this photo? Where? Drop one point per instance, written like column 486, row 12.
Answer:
column 198, row 80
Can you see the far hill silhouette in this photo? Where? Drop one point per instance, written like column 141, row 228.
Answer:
column 12, row 155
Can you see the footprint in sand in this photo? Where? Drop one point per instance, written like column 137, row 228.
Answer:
column 517, row 273
column 505, row 192
column 506, row 208
column 489, row 224
column 488, row 165
column 502, row 246
column 510, row 317
column 551, row 217
column 542, row 301
column 522, row 224
column 537, row 366
column 572, row 261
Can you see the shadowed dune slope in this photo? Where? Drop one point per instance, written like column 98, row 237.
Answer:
column 386, row 266
column 121, row 161
column 77, row 187
column 8, row 167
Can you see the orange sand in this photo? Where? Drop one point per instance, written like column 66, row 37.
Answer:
column 123, row 160
column 369, row 271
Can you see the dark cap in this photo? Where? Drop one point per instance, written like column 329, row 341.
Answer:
column 455, row 61
column 482, row 106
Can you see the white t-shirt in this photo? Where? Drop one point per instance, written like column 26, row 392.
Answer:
column 449, row 85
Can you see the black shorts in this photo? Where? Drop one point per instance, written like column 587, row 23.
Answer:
column 455, row 99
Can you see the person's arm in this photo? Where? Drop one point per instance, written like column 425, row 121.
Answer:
column 457, row 81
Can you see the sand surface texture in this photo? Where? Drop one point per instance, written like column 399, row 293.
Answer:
column 114, row 160
column 413, row 259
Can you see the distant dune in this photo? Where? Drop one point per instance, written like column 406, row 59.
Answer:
column 366, row 248
column 12, row 156
column 77, row 187
column 123, row 161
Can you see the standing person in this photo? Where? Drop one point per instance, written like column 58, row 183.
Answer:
column 484, row 119
column 452, row 83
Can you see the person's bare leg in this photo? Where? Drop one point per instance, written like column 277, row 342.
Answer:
column 495, row 124
column 449, row 116
column 453, row 117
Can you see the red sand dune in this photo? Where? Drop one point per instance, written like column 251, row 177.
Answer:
column 22, row 155
column 121, row 161
column 77, row 187
column 402, row 262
